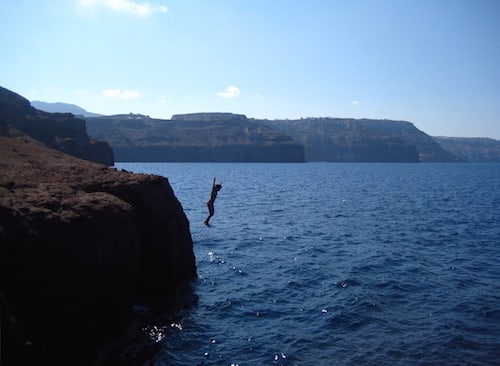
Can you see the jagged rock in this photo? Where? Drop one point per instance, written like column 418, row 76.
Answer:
column 81, row 243
column 200, row 137
column 62, row 131
column 352, row 140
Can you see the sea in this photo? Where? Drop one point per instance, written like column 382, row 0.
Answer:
column 335, row 264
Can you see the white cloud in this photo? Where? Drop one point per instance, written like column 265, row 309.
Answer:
column 230, row 92
column 121, row 94
column 355, row 102
column 143, row 9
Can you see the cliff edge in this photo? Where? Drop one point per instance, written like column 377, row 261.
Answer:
column 80, row 243
column 61, row 131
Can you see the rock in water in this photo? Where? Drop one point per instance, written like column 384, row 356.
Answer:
column 80, row 243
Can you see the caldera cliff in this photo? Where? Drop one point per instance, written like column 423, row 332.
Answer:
column 362, row 140
column 197, row 137
column 80, row 244
column 472, row 149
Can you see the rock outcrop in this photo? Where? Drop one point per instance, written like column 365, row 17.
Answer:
column 199, row 137
column 80, row 243
column 61, row 131
column 471, row 149
column 363, row 140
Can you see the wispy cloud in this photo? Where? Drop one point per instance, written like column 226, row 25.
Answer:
column 143, row 9
column 121, row 94
column 230, row 92
column 355, row 102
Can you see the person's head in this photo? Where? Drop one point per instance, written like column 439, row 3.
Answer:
column 218, row 187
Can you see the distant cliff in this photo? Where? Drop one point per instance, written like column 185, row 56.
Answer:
column 61, row 131
column 362, row 140
column 472, row 149
column 59, row 107
column 199, row 137
column 80, row 244
column 233, row 137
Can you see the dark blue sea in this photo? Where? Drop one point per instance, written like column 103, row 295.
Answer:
column 337, row 264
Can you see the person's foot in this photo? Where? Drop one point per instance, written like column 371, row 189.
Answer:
column 206, row 223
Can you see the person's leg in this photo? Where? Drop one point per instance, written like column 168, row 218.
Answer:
column 211, row 212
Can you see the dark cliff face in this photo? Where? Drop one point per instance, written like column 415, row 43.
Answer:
column 471, row 149
column 222, row 137
column 61, row 131
column 351, row 140
column 81, row 243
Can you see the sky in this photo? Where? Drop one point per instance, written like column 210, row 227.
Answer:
column 435, row 63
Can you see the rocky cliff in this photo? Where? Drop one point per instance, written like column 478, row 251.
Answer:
column 361, row 140
column 209, row 137
column 80, row 243
column 470, row 149
column 61, row 131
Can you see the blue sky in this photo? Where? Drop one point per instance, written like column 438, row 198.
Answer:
column 435, row 63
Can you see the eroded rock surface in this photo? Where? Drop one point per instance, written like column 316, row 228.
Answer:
column 80, row 243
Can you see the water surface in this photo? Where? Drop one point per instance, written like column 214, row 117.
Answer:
column 338, row 264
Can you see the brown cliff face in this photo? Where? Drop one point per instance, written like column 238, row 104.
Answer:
column 61, row 131
column 79, row 244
